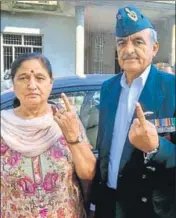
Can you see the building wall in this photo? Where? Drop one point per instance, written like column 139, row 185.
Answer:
column 109, row 52
column 166, row 38
column 59, row 37
column 59, row 43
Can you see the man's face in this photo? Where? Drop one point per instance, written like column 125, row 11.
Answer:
column 136, row 51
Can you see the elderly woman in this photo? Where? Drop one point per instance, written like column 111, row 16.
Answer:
column 43, row 151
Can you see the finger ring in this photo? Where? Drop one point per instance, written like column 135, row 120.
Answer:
column 62, row 111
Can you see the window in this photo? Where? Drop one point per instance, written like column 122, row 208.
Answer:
column 14, row 45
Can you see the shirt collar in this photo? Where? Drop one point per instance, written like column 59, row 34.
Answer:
column 142, row 78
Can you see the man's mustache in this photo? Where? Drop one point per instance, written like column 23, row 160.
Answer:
column 129, row 57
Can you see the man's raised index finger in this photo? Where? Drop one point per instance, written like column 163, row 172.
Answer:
column 140, row 115
column 66, row 102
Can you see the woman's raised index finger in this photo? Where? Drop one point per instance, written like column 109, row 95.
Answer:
column 66, row 102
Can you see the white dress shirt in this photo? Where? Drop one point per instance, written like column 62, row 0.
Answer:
column 128, row 97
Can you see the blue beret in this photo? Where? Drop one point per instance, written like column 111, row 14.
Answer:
column 130, row 20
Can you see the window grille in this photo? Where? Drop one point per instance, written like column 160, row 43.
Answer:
column 14, row 45
column 98, row 52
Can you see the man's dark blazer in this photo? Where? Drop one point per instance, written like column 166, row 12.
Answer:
column 143, row 190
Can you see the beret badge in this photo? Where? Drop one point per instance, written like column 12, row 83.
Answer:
column 131, row 14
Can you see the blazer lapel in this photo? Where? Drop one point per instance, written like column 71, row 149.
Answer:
column 113, row 94
column 152, row 96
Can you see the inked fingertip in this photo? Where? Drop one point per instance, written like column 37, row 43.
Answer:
column 137, row 104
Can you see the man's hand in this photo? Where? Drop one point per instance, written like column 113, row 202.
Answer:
column 143, row 134
column 68, row 121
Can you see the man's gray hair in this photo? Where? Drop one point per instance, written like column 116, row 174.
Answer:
column 153, row 35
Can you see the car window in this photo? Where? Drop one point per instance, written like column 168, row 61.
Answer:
column 86, row 104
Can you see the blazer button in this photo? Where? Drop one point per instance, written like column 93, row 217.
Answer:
column 153, row 169
column 144, row 199
column 144, row 176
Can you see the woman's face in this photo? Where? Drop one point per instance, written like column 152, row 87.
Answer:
column 32, row 83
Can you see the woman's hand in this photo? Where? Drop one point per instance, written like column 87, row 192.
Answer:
column 83, row 158
column 68, row 121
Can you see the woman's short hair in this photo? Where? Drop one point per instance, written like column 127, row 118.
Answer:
column 30, row 56
column 163, row 66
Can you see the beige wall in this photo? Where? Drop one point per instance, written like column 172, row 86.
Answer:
column 59, row 37
column 165, row 38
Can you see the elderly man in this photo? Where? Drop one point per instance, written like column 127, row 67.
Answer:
column 136, row 166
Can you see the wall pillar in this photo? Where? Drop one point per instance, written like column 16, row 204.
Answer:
column 80, row 44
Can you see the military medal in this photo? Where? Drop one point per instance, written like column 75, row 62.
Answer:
column 165, row 125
